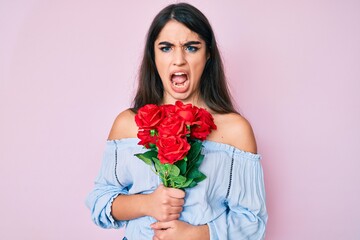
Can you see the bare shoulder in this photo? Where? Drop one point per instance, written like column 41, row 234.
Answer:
column 124, row 126
column 235, row 130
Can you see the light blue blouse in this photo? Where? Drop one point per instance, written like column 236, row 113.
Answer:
column 231, row 200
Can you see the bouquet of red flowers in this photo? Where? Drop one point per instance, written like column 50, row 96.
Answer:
column 173, row 135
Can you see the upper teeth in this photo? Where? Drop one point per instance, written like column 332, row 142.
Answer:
column 179, row 73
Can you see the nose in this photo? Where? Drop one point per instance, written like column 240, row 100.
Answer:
column 179, row 58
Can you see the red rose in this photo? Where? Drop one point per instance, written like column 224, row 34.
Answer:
column 204, row 125
column 168, row 109
column 149, row 116
column 172, row 149
column 145, row 138
column 205, row 117
column 187, row 112
column 200, row 131
column 174, row 125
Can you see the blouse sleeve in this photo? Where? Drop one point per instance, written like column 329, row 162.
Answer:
column 246, row 216
column 107, row 188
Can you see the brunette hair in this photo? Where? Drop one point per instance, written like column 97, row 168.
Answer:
column 213, row 87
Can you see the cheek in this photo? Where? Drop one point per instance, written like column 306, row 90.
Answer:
column 198, row 66
column 160, row 68
column 161, row 64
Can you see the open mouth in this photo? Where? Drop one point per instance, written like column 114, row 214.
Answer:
column 179, row 80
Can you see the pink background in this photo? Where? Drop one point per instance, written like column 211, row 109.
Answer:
column 68, row 67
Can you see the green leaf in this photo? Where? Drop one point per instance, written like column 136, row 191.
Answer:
column 194, row 150
column 165, row 167
column 182, row 166
column 157, row 165
column 192, row 184
column 150, row 154
column 194, row 164
column 152, row 146
column 166, row 170
column 182, row 174
column 179, row 180
column 173, row 170
column 194, row 174
column 187, row 183
column 200, row 178
column 199, row 160
column 144, row 158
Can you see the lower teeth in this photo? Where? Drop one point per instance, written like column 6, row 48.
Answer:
column 178, row 84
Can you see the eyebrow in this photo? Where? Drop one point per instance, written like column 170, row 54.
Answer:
column 185, row 44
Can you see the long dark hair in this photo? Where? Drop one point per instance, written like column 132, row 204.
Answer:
column 213, row 87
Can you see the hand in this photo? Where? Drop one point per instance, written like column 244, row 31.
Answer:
column 179, row 230
column 165, row 204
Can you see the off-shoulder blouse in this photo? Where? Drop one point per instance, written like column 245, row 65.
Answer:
column 231, row 200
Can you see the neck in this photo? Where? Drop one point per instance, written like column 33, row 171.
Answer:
column 196, row 101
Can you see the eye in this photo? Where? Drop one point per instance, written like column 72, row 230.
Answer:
column 165, row 49
column 191, row 49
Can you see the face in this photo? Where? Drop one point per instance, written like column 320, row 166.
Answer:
column 180, row 58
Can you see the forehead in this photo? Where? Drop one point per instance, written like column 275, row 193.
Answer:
column 174, row 31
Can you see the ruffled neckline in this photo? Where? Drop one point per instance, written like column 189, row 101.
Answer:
column 208, row 144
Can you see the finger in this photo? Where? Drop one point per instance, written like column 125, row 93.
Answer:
column 176, row 193
column 175, row 210
column 161, row 225
column 176, row 202
column 164, row 217
column 173, row 217
column 156, row 227
column 159, row 234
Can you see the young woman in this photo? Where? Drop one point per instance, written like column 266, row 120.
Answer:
column 182, row 62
